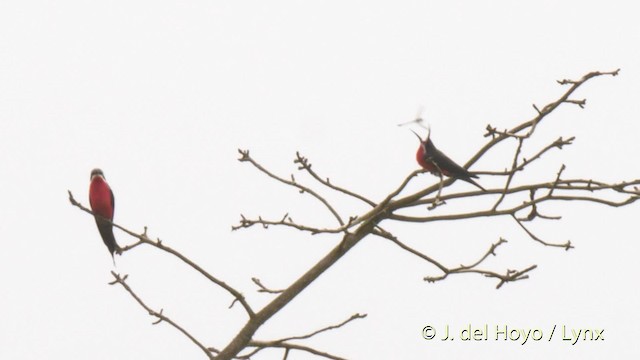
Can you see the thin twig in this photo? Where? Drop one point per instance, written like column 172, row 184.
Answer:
column 306, row 165
column 511, row 211
column 491, row 251
column 144, row 239
column 540, row 114
column 415, row 252
column 158, row 314
column 288, row 347
column 353, row 317
column 557, row 180
column 284, row 342
column 511, row 174
column 565, row 185
column 509, row 276
column 566, row 245
column 264, row 289
column 244, row 157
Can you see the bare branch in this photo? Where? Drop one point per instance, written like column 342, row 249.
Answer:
column 384, row 204
column 158, row 314
column 245, row 335
column 625, row 202
column 491, row 251
column 534, row 210
column 580, row 103
column 559, row 143
column 541, row 114
column 244, row 157
column 566, row 245
column 143, row 239
column 555, row 183
column 511, row 174
column 353, row 317
column 513, row 275
column 287, row 221
column 263, row 288
column 288, row 347
column 306, row 165
column 508, row 276
column 284, row 342
column 511, row 211
column 565, row 185
column 405, row 247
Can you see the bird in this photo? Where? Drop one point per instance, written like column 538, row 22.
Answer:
column 103, row 204
column 436, row 162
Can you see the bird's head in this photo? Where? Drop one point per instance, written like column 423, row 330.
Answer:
column 96, row 172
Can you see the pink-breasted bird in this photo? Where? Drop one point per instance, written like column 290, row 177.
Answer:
column 103, row 205
column 435, row 161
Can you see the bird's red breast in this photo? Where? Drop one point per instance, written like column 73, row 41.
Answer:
column 422, row 160
column 100, row 197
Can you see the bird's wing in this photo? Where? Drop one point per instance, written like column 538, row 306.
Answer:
column 449, row 166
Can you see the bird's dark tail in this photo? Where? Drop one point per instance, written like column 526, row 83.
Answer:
column 106, row 232
column 471, row 181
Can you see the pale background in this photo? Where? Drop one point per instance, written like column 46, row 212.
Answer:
column 161, row 94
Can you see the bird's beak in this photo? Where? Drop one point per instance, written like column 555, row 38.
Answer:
column 416, row 134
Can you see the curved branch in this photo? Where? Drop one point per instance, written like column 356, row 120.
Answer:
column 566, row 245
column 284, row 342
column 246, row 334
column 143, row 239
column 510, row 211
column 541, row 114
column 245, row 157
column 514, row 166
column 158, row 314
column 509, row 276
column 405, row 247
column 264, row 289
column 564, row 185
column 306, row 165
column 285, row 221
column 288, row 346
column 385, row 205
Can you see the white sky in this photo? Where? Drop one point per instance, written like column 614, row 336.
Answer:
column 161, row 94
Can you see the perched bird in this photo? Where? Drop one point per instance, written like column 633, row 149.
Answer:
column 435, row 161
column 103, row 205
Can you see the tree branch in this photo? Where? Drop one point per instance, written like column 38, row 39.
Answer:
column 245, row 335
column 244, row 157
column 158, row 314
column 143, row 239
column 390, row 208
column 306, row 165
column 284, row 342
column 264, row 289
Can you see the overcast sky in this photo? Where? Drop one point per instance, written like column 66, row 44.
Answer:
column 161, row 94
